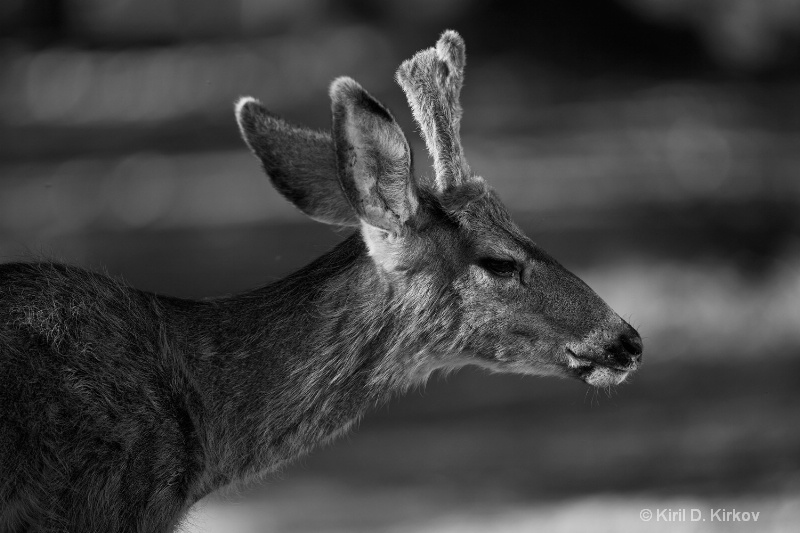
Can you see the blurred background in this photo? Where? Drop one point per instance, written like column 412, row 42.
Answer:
column 653, row 146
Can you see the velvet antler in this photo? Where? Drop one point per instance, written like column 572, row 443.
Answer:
column 432, row 82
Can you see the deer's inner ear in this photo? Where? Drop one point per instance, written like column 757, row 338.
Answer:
column 373, row 158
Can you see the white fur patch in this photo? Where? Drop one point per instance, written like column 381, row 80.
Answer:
column 382, row 246
column 243, row 101
column 574, row 362
column 605, row 377
column 238, row 110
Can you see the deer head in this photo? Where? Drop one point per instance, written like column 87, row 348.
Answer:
column 445, row 245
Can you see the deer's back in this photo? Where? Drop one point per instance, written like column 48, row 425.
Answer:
column 96, row 418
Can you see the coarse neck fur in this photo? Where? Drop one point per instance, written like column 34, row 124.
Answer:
column 311, row 352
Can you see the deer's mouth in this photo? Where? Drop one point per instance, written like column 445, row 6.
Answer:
column 598, row 372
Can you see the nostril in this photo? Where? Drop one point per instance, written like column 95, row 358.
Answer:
column 632, row 343
column 626, row 350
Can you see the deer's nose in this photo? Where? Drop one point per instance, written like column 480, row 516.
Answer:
column 632, row 343
column 627, row 349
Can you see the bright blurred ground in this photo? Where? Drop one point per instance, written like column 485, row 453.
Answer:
column 653, row 146
column 602, row 514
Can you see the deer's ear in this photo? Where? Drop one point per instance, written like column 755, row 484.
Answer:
column 300, row 163
column 373, row 158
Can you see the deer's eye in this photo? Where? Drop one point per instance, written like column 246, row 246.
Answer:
column 499, row 267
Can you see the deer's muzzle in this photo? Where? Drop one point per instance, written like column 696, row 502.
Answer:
column 609, row 363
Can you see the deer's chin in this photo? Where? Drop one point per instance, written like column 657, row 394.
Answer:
column 601, row 376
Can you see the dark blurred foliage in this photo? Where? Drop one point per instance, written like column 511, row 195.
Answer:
column 654, row 36
column 653, row 146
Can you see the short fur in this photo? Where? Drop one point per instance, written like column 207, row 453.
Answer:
column 120, row 408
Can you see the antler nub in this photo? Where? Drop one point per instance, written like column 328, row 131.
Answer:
column 432, row 81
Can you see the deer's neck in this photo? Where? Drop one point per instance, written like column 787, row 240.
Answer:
column 295, row 363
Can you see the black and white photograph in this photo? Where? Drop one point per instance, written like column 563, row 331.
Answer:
column 399, row 266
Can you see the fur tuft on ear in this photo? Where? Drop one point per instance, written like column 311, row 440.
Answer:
column 373, row 158
column 300, row 163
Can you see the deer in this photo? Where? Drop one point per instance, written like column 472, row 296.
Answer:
column 119, row 408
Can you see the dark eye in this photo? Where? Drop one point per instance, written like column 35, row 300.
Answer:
column 499, row 267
